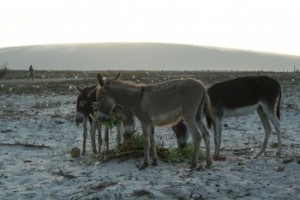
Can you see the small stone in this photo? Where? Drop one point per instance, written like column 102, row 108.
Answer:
column 280, row 169
column 247, row 194
column 141, row 192
column 75, row 152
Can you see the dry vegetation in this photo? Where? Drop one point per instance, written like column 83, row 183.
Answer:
column 65, row 82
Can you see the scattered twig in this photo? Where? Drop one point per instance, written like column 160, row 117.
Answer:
column 6, row 130
column 244, row 151
column 288, row 160
column 102, row 186
column 65, row 175
column 25, row 145
column 141, row 192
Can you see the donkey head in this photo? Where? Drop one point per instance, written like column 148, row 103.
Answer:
column 83, row 104
column 105, row 98
column 106, row 105
column 126, row 116
column 181, row 133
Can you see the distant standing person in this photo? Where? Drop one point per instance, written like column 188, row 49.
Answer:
column 30, row 74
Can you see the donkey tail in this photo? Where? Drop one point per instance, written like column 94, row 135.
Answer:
column 278, row 104
column 207, row 109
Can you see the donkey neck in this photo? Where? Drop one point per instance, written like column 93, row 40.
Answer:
column 93, row 96
column 128, row 95
column 93, row 93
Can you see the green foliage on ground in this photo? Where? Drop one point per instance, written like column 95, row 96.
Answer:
column 134, row 147
column 177, row 155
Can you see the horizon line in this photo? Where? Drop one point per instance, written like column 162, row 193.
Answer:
column 158, row 43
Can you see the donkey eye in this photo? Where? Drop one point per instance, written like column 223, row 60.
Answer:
column 101, row 98
column 82, row 103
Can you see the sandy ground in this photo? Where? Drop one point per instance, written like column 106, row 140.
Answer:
column 37, row 132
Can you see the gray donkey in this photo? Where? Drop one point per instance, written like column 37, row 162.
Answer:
column 159, row 104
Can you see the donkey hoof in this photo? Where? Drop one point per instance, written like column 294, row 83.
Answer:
column 219, row 157
column 208, row 165
column 278, row 153
column 200, row 168
column 144, row 166
column 193, row 165
column 154, row 163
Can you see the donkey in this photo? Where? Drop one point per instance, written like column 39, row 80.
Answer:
column 84, row 112
column 242, row 96
column 239, row 97
column 157, row 105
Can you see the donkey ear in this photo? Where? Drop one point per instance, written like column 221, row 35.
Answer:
column 100, row 79
column 79, row 89
column 118, row 109
column 116, row 77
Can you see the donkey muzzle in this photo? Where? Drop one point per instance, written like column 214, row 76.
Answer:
column 181, row 145
column 78, row 118
column 102, row 117
column 128, row 131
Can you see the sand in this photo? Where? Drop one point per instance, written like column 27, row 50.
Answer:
column 38, row 131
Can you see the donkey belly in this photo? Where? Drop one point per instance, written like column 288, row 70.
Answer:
column 164, row 119
column 241, row 111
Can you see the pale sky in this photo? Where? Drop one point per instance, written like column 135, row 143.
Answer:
column 257, row 25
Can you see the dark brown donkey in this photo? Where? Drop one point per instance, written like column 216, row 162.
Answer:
column 242, row 96
column 84, row 113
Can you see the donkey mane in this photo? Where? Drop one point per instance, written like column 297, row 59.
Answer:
column 137, row 85
column 90, row 88
column 129, row 83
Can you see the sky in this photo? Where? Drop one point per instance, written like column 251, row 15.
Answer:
column 255, row 25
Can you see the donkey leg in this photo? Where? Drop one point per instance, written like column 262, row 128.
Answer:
column 146, row 140
column 266, row 124
column 153, row 147
column 93, row 133
column 120, row 131
column 106, row 138
column 99, row 128
column 274, row 120
column 217, row 128
column 205, row 135
column 277, row 129
column 84, row 135
column 196, row 136
column 276, row 125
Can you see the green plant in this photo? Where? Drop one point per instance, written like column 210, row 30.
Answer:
column 112, row 120
column 176, row 155
column 134, row 143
